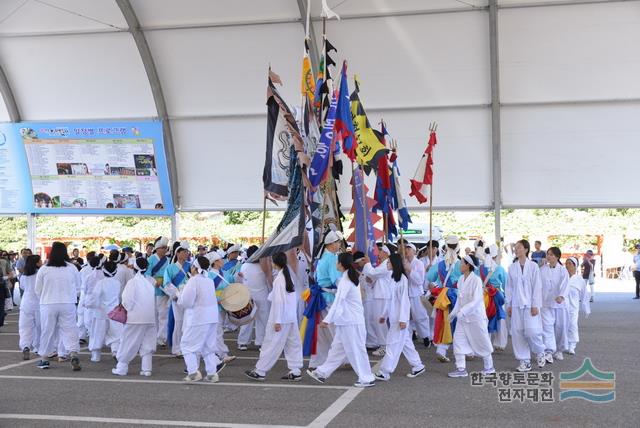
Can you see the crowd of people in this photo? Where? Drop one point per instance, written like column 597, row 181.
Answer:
column 433, row 296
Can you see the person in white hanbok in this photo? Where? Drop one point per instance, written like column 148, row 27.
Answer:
column 471, row 336
column 252, row 275
column 347, row 314
column 555, row 316
column 399, row 340
column 87, row 288
column 577, row 300
column 381, row 296
column 84, row 272
column 416, row 276
column 29, row 321
column 282, row 327
column 523, row 300
column 139, row 333
column 124, row 272
column 57, row 287
column 200, row 324
column 105, row 297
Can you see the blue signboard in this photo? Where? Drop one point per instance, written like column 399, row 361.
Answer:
column 15, row 183
column 110, row 168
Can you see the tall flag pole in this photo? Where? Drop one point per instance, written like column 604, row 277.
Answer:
column 424, row 176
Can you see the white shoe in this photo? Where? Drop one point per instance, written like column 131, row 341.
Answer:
column 379, row 352
column 488, row 371
column 242, row 347
column 145, row 373
column 213, row 378
column 548, row 357
column 525, row 366
column 542, row 360
column 381, row 376
column 558, row 356
column 117, row 373
column 571, row 352
column 228, row 359
column 194, row 377
column 95, row 356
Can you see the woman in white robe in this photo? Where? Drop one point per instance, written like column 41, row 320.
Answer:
column 471, row 336
column 347, row 314
column 200, row 323
column 105, row 297
column 555, row 316
column 29, row 321
column 577, row 300
column 139, row 333
column 399, row 340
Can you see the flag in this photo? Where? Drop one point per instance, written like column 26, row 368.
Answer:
column 365, row 239
column 383, row 182
column 324, row 152
column 369, row 148
column 281, row 130
column 291, row 230
column 308, row 84
column 424, row 173
column 396, row 194
column 344, row 124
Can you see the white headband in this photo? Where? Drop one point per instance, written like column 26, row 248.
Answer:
column 137, row 267
column 109, row 274
column 574, row 261
column 385, row 249
column 469, row 260
column 198, row 268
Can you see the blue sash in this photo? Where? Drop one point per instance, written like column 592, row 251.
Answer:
column 442, row 273
column 176, row 280
column 157, row 267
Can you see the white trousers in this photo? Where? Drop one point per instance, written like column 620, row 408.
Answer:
column 105, row 332
column 573, row 337
column 419, row 318
column 178, row 316
column 348, row 343
column 501, row 337
column 461, row 361
column 200, row 341
column 162, row 316
column 275, row 342
column 325, row 338
column 82, row 330
column 259, row 323
column 526, row 334
column 223, row 349
column 58, row 317
column 136, row 338
column 29, row 327
column 555, row 329
column 399, row 343
column 370, row 323
column 471, row 338
column 380, row 330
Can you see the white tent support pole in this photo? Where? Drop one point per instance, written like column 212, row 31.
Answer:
column 495, row 117
column 9, row 99
column 156, row 89
column 175, row 227
column 313, row 45
column 31, row 232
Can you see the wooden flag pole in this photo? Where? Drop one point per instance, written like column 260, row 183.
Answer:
column 432, row 128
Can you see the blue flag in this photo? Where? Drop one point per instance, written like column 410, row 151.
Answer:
column 320, row 162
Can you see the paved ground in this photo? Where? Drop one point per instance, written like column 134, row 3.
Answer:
column 93, row 397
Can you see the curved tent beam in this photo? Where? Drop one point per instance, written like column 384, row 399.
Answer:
column 9, row 99
column 156, row 89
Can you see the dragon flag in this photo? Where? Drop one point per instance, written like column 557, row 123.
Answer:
column 280, row 126
column 424, row 173
column 369, row 148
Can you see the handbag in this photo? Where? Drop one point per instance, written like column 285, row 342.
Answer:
column 118, row 314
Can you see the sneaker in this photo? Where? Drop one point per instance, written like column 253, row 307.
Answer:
column 525, row 366
column 95, row 356
column 193, row 377
column 416, row 373
column 488, row 371
column 52, row 355
column 63, row 359
column 316, row 376
column 427, row 342
column 43, row 364
column 117, row 373
column 75, row 364
column 220, row 367
column 458, row 373
column 26, row 354
column 228, row 359
column 251, row 374
column 381, row 376
column 212, row 378
column 242, row 347
column 443, row 358
column 364, row 384
column 548, row 358
column 542, row 361
column 558, row 356
column 145, row 373
column 291, row 377
column 379, row 352
column 571, row 352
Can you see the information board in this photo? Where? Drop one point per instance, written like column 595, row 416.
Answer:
column 15, row 183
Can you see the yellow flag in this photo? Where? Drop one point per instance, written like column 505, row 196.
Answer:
column 308, row 88
column 369, row 146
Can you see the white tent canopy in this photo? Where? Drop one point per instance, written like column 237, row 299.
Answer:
column 567, row 106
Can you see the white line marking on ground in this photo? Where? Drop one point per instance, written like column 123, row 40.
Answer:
column 12, row 366
column 8, row 334
column 133, row 421
column 333, row 410
column 122, row 379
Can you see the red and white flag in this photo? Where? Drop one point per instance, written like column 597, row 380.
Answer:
column 424, row 174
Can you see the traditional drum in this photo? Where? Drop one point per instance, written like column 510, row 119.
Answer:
column 237, row 303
